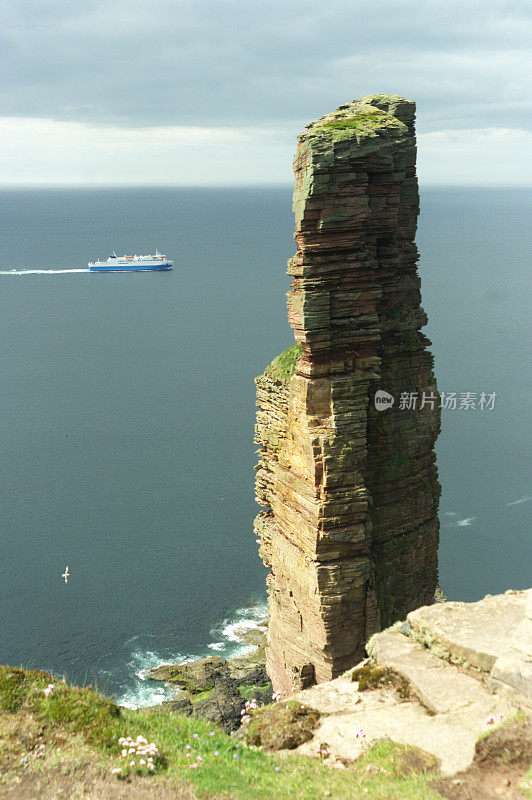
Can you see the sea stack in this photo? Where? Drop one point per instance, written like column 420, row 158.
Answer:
column 349, row 485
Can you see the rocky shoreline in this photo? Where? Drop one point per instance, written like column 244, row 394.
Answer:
column 217, row 688
column 445, row 675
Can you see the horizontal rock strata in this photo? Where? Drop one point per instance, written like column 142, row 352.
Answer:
column 350, row 528
column 434, row 685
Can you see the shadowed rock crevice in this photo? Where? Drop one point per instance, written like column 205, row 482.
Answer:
column 350, row 527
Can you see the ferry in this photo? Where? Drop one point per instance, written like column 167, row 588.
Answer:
column 131, row 263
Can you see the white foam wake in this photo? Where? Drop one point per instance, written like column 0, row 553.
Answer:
column 40, row 271
column 524, row 499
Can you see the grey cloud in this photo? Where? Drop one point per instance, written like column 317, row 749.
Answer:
column 263, row 62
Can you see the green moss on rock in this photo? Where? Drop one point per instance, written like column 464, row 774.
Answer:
column 370, row 676
column 282, row 726
column 283, row 367
column 361, row 119
column 373, row 676
column 262, row 693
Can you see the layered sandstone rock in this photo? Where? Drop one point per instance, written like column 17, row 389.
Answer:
column 431, row 683
column 350, row 528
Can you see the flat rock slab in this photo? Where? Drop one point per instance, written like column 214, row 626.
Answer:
column 407, row 723
column 513, row 670
column 440, row 686
column 451, row 704
column 472, row 634
column 380, row 713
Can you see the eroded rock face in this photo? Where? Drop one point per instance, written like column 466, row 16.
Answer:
column 350, row 527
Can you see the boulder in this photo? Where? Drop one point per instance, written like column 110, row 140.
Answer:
column 222, row 706
column 282, row 726
column 194, row 676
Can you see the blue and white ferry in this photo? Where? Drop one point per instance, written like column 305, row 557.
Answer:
column 131, row 263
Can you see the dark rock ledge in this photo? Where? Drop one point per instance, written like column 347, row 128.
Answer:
column 217, row 688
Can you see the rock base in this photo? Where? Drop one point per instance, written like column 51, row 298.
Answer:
column 216, row 688
column 449, row 703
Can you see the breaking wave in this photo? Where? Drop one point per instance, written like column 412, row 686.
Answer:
column 139, row 690
column 463, row 523
column 229, row 633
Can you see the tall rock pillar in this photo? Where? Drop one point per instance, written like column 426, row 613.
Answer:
column 350, row 526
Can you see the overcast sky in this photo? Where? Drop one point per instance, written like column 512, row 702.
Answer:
column 214, row 92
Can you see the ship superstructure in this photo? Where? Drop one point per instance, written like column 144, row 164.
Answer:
column 131, row 263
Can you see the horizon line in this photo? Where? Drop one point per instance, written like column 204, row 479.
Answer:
column 90, row 186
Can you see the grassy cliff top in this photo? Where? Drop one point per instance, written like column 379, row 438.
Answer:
column 370, row 117
column 69, row 741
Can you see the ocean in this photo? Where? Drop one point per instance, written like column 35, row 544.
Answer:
column 128, row 409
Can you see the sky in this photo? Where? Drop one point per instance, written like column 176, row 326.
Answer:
column 214, row 92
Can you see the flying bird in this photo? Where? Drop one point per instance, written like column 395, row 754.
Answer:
column 65, row 574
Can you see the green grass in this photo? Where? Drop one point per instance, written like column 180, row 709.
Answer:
column 363, row 122
column 235, row 772
column 283, row 367
column 80, row 709
column 357, row 122
column 255, row 775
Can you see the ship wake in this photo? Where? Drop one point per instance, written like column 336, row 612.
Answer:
column 41, row 271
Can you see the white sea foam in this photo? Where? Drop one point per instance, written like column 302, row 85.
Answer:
column 227, row 639
column 450, row 514
column 235, row 631
column 524, row 499
column 40, row 271
column 219, row 646
column 244, row 620
column 143, row 694
column 141, row 690
column 462, row 523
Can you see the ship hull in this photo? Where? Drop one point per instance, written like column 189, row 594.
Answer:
column 131, row 268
